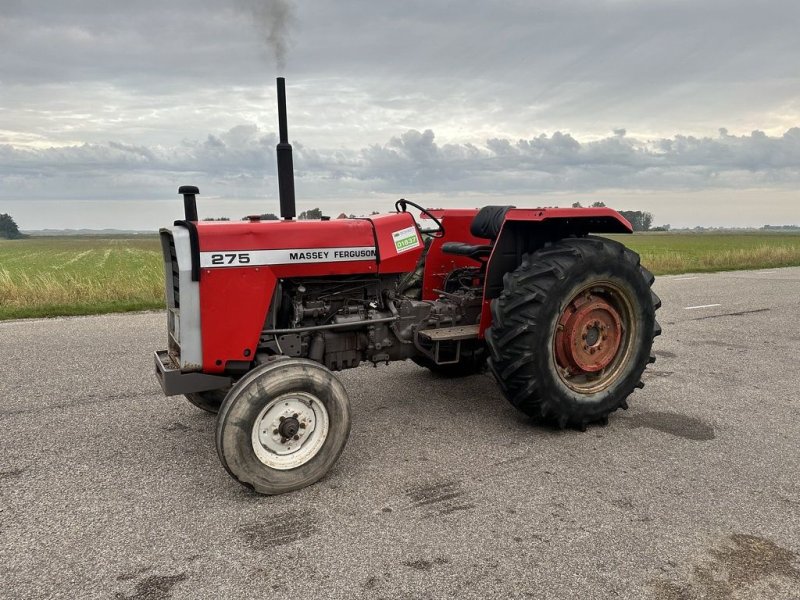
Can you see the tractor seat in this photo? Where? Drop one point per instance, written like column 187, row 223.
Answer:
column 475, row 251
column 486, row 224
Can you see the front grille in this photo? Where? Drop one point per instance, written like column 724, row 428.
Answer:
column 176, row 292
column 171, row 274
column 172, row 289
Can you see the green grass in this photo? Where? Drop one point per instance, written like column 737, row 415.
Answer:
column 671, row 253
column 79, row 275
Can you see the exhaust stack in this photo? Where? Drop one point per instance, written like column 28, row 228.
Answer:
column 284, row 154
column 189, row 193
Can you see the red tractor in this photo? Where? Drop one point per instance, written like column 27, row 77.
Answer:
column 261, row 313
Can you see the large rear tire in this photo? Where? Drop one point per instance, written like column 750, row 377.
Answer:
column 572, row 330
column 283, row 426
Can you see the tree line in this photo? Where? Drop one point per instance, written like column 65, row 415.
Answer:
column 9, row 229
column 306, row 215
column 639, row 220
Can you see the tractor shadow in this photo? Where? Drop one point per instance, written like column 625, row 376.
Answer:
column 417, row 400
column 427, row 397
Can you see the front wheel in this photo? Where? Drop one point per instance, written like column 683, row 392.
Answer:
column 572, row 330
column 283, row 426
column 208, row 401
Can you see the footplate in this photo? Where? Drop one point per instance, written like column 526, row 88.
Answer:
column 446, row 349
column 451, row 334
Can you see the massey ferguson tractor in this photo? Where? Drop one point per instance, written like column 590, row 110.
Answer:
column 260, row 314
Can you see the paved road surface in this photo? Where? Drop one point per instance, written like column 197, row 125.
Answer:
column 109, row 490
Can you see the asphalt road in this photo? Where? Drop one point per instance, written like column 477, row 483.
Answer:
column 109, row 490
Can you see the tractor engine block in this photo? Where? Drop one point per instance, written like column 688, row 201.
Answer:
column 344, row 321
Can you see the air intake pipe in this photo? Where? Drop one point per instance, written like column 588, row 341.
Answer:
column 284, row 154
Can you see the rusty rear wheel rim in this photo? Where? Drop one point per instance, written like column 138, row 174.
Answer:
column 592, row 341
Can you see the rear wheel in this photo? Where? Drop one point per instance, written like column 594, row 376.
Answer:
column 572, row 330
column 283, row 426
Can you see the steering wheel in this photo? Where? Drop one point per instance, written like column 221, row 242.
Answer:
column 400, row 206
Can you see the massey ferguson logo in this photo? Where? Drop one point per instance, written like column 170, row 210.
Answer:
column 327, row 255
column 285, row 257
column 358, row 254
column 316, row 255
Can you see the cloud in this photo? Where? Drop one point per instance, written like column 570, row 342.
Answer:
column 151, row 72
column 241, row 162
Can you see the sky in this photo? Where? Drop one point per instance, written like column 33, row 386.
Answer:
column 689, row 110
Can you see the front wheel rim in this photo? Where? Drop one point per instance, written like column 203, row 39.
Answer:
column 593, row 337
column 290, row 430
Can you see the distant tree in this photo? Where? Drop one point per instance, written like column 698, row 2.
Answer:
column 665, row 227
column 374, row 212
column 216, row 219
column 598, row 205
column 263, row 217
column 640, row 220
column 9, row 229
column 577, row 205
column 313, row 213
column 780, row 227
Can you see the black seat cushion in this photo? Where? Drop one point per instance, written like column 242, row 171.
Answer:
column 471, row 250
column 488, row 221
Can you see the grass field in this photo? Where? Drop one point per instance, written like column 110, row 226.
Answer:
column 77, row 275
column 671, row 253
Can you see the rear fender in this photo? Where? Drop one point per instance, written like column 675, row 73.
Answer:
column 527, row 230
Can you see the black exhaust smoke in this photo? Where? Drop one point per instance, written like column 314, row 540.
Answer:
column 284, row 154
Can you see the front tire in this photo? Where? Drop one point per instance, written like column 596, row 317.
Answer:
column 283, row 426
column 208, row 401
column 572, row 330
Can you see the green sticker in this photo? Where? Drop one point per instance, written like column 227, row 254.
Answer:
column 405, row 239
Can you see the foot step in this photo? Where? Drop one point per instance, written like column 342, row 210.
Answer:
column 451, row 334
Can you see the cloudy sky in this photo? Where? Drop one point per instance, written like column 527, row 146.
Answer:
column 688, row 109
